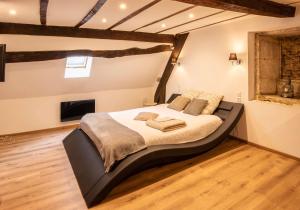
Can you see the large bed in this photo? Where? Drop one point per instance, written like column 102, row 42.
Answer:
column 200, row 135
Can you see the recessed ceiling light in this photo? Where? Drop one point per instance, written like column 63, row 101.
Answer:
column 163, row 25
column 123, row 6
column 104, row 20
column 12, row 12
column 191, row 15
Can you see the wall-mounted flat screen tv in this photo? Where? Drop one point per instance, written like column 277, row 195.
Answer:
column 75, row 110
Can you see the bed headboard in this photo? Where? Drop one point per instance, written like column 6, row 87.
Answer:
column 222, row 111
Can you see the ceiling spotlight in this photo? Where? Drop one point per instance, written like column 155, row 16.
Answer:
column 191, row 15
column 123, row 6
column 104, row 20
column 163, row 25
column 12, row 12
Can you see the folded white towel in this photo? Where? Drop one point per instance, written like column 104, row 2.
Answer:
column 168, row 125
column 163, row 119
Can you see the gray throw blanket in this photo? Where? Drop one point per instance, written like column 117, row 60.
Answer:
column 113, row 140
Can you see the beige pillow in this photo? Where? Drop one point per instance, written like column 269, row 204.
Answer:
column 179, row 103
column 144, row 116
column 191, row 94
column 195, row 107
column 213, row 102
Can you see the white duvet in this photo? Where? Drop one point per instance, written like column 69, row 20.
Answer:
column 198, row 127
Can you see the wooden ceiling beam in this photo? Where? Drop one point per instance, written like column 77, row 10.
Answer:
column 134, row 14
column 256, row 7
column 160, row 93
column 92, row 12
column 31, row 56
column 167, row 17
column 43, row 11
column 63, row 31
column 215, row 23
column 191, row 21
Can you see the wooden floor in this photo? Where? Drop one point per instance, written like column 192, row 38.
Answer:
column 35, row 174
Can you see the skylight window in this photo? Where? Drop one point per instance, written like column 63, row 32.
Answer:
column 78, row 67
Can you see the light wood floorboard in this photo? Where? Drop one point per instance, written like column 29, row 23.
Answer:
column 35, row 174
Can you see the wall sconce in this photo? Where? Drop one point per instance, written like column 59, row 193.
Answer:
column 234, row 59
column 158, row 79
column 175, row 62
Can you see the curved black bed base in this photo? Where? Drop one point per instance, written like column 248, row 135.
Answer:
column 88, row 168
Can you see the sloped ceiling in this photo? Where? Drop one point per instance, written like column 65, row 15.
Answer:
column 45, row 78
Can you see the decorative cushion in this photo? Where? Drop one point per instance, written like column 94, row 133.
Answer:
column 195, row 107
column 144, row 116
column 213, row 102
column 179, row 103
column 191, row 94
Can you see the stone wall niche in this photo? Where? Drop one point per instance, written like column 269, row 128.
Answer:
column 276, row 61
column 268, row 64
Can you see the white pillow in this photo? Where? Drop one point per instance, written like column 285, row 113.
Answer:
column 213, row 102
column 191, row 94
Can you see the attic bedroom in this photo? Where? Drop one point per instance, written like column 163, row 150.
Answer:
column 149, row 104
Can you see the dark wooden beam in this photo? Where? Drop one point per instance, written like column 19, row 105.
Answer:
column 63, row 31
column 26, row 56
column 160, row 94
column 91, row 13
column 135, row 13
column 2, row 62
column 215, row 23
column 43, row 11
column 164, row 18
column 191, row 21
column 257, row 7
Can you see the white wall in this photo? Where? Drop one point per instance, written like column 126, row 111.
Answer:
column 29, row 114
column 205, row 66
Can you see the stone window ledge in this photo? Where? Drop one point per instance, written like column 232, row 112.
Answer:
column 278, row 99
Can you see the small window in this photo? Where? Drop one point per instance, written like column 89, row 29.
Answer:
column 78, row 67
column 77, row 62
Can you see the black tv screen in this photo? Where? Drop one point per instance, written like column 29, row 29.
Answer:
column 75, row 110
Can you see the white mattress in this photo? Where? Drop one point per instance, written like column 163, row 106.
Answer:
column 198, row 127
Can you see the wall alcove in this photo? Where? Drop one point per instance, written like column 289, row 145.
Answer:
column 274, row 65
